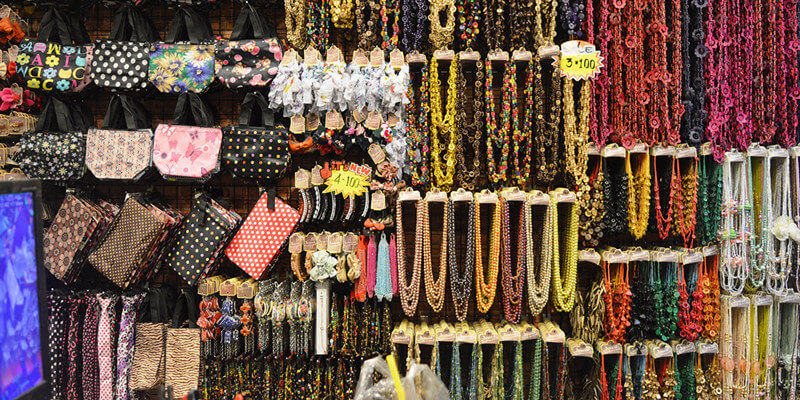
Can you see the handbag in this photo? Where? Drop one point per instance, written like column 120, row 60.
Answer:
column 56, row 149
column 185, row 61
column 149, row 361
column 188, row 149
column 120, row 62
column 57, row 60
column 250, row 58
column 201, row 239
column 263, row 235
column 182, row 370
column 123, row 147
column 255, row 150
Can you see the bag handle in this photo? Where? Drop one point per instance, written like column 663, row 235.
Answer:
column 256, row 111
column 55, row 117
column 192, row 110
column 82, row 116
column 132, row 25
column 251, row 25
column 125, row 113
column 186, row 310
column 54, row 27
column 189, row 25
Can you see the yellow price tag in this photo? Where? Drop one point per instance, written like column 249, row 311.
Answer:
column 349, row 181
column 579, row 60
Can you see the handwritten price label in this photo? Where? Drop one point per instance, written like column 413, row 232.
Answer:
column 350, row 180
column 579, row 60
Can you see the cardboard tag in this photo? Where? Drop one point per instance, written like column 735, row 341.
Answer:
column 469, row 55
column 790, row 297
column 707, row 347
column 335, row 243
column 392, row 119
column 509, row 334
column 615, row 256
column 378, row 201
column 334, row 55
column 444, row 55
column 529, row 332
column 486, row 197
column 296, row 242
column 606, row 348
column 549, row 51
column 312, row 122
column 416, row 58
column 710, row 251
column 739, row 301
column 316, row 176
column 302, row 179
column 662, row 151
column 289, row 56
column 408, row 194
column 590, row 256
column 638, row 254
column 376, row 57
column 685, row 151
column 227, row 289
column 297, row 124
column 592, row 150
column 350, row 242
column 684, row 348
column 639, row 148
column 563, row 195
column 536, row 197
column 436, row 196
column 425, row 338
column 311, row 56
column 660, row 350
column 776, row 151
column 521, row 55
column 579, row 348
column 396, row 58
column 612, row 150
column 322, row 241
column 360, row 115
column 461, row 195
column 376, row 153
column 373, row 121
column 360, row 58
column 756, row 150
column 498, row 55
column 734, row 156
column 488, row 337
column 445, row 334
column 465, row 337
column 334, row 120
column 310, row 242
column 247, row 290
column 635, row 350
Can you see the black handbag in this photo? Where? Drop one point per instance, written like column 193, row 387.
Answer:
column 250, row 58
column 120, row 62
column 57, row 60
column 256, row 150
column 55, row 150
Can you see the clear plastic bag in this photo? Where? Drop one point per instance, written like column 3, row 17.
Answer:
column 420, row 383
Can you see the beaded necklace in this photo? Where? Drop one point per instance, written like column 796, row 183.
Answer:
column 734, row 348
column 565, row 257
column 417, row 131
column 295, row 21
column 368, row 21
column 496, row 388
column 615, row 195
column 786, row 332
column 576, row 134
column 535, row 383
column 461, row 283
column 390, row 37
column 635, row 373
column 494, row 12
column 409, row 293
column 760, row 189
column 638, row 194
column 497, row 138
column 434, row 289
column 586, row 317
column 523, row 133
column 317, row 27
column 593, row 213
column 486, row 291
column 617, row 297
column 665, row 285
column 455, row 373
column 476, row 374
column 685, row 193
column 761, row 346
column 440, row 36
column 689, row 317
column 709, row 282
column 415, row 16
column 708, row 199
column 513, row 281
column 780, row 245
column 736, row 224
column 539, row 281
column 468, row 177
column 707, row 378
column 588, row 383
column 694, row 53
column 664, row 181
column 444, row 125
column 546, row 124
column 469, row 15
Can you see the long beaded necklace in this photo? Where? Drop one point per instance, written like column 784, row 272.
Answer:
column 586, row 317
column 779, row 247
column 758, row 164
column 685, row 192
column 707, row 378
column 617, row 297
column 786, row 339
column 535, row 383
column 409, row 292
column 415, row 17
column 694, row 88
column 368, row 21
column 295, row 21
column 547, row 124
column 565, row 258
column 638, row 193
column 689, row 310
column 473, row 132
column 469, row 15
column 417, row 131
column 494, row 13
column 709, row 283
column 539, row 281
column 635, row 374
column 615, row 195
column 318, row 24
column 576, row 134
column 440, row 36
column 734, row 347
column 593, row 214
column 390, row 36
column 443, row 125
column 708, row 199
column 761, row 350
column 666, row 299
column 736, row 224
column 486, row 291
column 461, row 283
column 523, row 133
column 513, row 281
column 497, row 138
column 663, row 182
column 434, row 289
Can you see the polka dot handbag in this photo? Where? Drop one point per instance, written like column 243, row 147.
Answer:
column 262, row 237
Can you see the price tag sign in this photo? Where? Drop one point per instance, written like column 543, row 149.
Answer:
column 350, row 180
column 579, row 60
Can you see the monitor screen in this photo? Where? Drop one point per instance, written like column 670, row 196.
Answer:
column 20, row 351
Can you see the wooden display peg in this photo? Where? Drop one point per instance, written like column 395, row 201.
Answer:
column 247, row 290
column 408, row 194
column 461, row 195
column 522, row 55
column 444, row 55
column 302, row 179
column 498, row 55
column 469, row 55
column 311, row 56
column 636, row 349
column 334, row 55
column 590, row 256
column 486, row 197
column 360, row 58
column 289, row 56
column 436, row 196
column 579, row 348
column 608, row 348
column 756, row 150
column 539, row 198
column 416, row 57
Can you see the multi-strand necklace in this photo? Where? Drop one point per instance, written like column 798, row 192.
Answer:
column 513, row 274
column 693, row 79
column 539, row 230
column 295, row 21
column 443, row 126
column 617, row 300
column 708, row 283
column 440, row 36
column 707, row 376
column 417, row 130
column 593, row 211
column 638, row 193
column 586, row 317
column 662, row 192
column 497, row 138
column 415, row 18
column 469, row 17
column 469, row 133
column 390, row 33
column 735, row 346
column 761, row 346
column 484, row 290
column 461, row 282
column 576, row 135
column 409, row 287
column 523, row 130
column 787, row 340
column 548, row 103
column 736, row 224
column 685, row 193
column 708, row 199
column 434, row 288
column 760, row 188
column 565, row 256
column 779, row 247
column 368, row 22
column 615, row 196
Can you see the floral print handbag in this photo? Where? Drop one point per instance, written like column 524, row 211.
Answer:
column 248, row 62
column 185, row 61
column 55, row 149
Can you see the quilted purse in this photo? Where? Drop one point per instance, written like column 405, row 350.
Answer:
column 263, row 235
column 201, row 239
column 56, row 149
column 123, row 147
column 185, row 61
column 248, row 62
column 188, row 149
column 255, row 150
column 120, row 62
column 57, row 61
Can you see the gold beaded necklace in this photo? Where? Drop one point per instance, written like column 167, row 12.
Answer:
column 295, row 21
column 485, row 292
column 638, row 194
column 441, row 36
column 342, row 13
column 443, row 125
column 564, row 266
column 409, row 293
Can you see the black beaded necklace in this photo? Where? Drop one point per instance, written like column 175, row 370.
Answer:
column 615, row 190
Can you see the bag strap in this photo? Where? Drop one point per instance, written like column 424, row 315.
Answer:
column 125, row 113
column 189, row 25
column 132, row 25
column 54, row 27
column 256, row 111
column 186, row 310
column 55, row 117
column 77, row 29
column 82, row 116
column 249, row 25
column 192, row 110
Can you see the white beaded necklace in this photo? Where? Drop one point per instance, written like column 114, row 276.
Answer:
column 780, row 245
column 735, row 227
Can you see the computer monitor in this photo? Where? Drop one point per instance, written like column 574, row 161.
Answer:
column 23, row 307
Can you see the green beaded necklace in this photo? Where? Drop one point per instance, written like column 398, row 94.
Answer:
column 684, row 377
column 476, row 373
column 536, row 371
column 708, row 200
